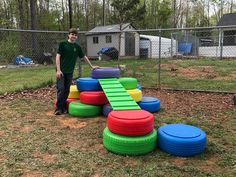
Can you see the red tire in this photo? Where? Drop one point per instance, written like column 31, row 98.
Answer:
column 93, row 97
column 69, row 100
column 130, row 122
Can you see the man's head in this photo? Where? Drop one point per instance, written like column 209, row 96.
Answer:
column 72, row 34
column 73, row 31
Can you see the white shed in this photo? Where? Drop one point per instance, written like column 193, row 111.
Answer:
column 150, row 46
column 108, row 36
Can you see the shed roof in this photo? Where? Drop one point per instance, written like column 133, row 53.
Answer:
column 110, row 29
column 153, row 38
column 227, row 20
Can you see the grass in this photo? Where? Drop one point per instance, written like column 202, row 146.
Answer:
column 209, row 74
column 36, row 143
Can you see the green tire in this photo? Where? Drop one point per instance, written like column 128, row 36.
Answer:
column 78, row 109
column 127, row 145
column 128, row 83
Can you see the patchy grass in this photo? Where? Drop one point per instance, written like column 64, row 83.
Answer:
column 205, row 74
column 34, row 142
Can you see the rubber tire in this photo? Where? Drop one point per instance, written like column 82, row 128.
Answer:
column 181, row 140
column 129, row 145
column 136, row 94
column 130, row 122
column 128, row 83
column 106, row 109
column 93, row 97
column 150, row 104
column 105, row 72
column 139, row 87
column 69, row 100
column 74, row 93
column 88, row 84
column 78, row 109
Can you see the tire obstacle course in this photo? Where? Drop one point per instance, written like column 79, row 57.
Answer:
column 130, row 122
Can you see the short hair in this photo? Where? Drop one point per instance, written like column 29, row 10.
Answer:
column 73, row 30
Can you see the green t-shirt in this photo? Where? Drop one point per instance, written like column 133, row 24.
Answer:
column 69, row 53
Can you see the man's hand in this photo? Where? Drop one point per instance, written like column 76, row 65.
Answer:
column 95, row 67
column 59, row 74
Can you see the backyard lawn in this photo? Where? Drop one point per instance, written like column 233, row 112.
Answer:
column 35, row 142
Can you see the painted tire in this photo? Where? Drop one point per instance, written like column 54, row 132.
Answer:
column 128, row 82
column 74, row 93
column 106, row 109
column 150, row 104
column 130, row 122
column 88, row 84
column 93, row 97
column 136, row 94
column 78, row 109
column 105, row 72
column 139, row 87
column 129, row 145
column 181, row 140
column 69, row 100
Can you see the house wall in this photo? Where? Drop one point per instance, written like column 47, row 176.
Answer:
column 153, row 47
column 214, row 51
column 93, row 49
column 137, row 44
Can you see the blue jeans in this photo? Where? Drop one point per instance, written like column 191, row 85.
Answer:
column 63, row 90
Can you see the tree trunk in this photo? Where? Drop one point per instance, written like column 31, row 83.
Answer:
column 21, row 14
column 33, row 27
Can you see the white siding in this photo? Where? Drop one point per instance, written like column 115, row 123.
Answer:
column 92, row 49
column 228, row 51
column 152, row 44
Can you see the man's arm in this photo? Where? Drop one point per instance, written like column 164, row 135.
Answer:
column 58, row 68
column 89, row 63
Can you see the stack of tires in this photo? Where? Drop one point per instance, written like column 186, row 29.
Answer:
column 91, row 98
column 128, row 132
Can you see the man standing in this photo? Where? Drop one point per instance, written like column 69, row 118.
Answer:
column 66, row 57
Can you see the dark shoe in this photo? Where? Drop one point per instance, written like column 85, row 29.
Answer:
column 65, row 111
column 58, row 112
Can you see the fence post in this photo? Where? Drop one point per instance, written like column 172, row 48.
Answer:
column 221, row 43
column 171, row 48
column 159, row 61
column 196, row 43
column 79, row 68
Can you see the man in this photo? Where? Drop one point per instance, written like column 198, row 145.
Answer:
column 66, row 57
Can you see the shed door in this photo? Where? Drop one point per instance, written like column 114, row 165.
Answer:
column 129, row 44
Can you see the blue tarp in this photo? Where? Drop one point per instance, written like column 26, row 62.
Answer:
column 21, row 60
column 103, row 50
column 185, row 48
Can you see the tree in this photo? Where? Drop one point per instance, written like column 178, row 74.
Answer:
column 127, row 11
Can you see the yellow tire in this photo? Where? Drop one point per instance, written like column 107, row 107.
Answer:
column 74, row 93
column 136, row 94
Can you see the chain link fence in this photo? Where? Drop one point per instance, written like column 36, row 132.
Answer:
column 192, row 58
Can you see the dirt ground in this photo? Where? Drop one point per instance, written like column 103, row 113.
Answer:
column 197, row 72
column 208, row 110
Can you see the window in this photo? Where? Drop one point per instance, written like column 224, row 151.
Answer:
column 95, row 40
column 108, row 39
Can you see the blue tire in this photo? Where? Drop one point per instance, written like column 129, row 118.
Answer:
column 106, row 109
column 88, row 84
column 181, row 140
column 105, row 72
column 139, row 87
column 150, row 104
